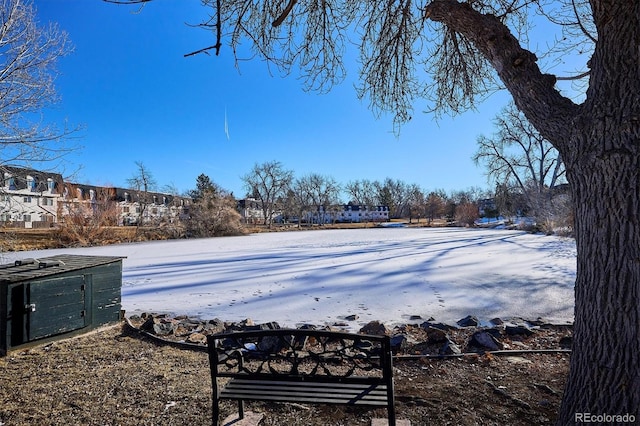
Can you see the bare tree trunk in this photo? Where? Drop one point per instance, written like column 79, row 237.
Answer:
column 604, row 174
column 604, row 375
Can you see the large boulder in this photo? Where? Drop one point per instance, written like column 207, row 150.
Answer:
column 375, row 328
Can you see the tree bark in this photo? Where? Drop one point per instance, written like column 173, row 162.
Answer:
column 604, row 175
column 600, row 144
column 604, row 374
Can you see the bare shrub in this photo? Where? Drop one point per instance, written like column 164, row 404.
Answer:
column 466, row 214
column 87, row 225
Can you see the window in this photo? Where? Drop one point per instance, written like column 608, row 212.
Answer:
column 125, row 209
column 26, row 218
column 26, row 199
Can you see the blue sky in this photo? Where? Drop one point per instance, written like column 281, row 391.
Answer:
column 139, row 99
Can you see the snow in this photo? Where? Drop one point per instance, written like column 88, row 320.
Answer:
column 319, row 277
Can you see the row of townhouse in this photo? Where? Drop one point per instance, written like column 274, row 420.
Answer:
column 348, row 213
column 36, row 199
column 251, row 212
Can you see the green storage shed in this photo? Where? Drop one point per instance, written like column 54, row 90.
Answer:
column 56, row 296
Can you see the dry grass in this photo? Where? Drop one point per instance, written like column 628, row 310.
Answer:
column 116, row 377
column 19, row 239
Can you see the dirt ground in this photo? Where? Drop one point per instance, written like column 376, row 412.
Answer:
column 116, row 376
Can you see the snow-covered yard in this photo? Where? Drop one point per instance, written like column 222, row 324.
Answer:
column 388, row 274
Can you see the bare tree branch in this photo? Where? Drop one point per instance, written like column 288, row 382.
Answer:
column 280, row 19
column 28, row 56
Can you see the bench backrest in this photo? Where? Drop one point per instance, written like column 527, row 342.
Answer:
column 301, row 353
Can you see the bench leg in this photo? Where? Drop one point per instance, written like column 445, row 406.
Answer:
column 240, row 409
column 392, row 414
column 215, row 412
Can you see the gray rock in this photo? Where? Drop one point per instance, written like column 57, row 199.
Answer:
column 272, row 325
column 484, row 340
column 163, row 329
column 566, row 342
column 197, row 338
column 181, row 330
column 436, row 335
column 375, row 328
column 439, row 325
column 450, row 348
column 148, row 324
column 212, row 327
column 399, row 341
column 513, row 330
column 308, row 327
column 468, row 321
column 248, row 322
column 264, row 326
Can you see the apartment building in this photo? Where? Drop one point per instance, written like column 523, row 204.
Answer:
column 28, row 198
column 36, row 199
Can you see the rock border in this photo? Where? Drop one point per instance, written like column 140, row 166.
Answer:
column 428, row 339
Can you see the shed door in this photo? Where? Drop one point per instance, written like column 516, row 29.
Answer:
column 56, row 305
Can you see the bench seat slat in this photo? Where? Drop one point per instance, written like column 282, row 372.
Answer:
column 244, row 394
column 296, row 386
column 343, row 393
column 308, row 384
column 308, row 397
column 315, row 399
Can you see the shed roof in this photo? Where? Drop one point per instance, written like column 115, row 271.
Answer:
column 34, row 268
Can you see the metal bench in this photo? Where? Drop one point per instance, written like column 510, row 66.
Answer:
column 301, row 366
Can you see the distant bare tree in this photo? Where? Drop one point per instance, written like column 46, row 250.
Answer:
column 142, row 179
column 269, row 182
column 416, row 202
column 142, row 183
column 518, row 155
column 297, row 204
column 393, row 193
column 362, row 192
column 319, row 192
column 435, row 205
column 522, row 162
